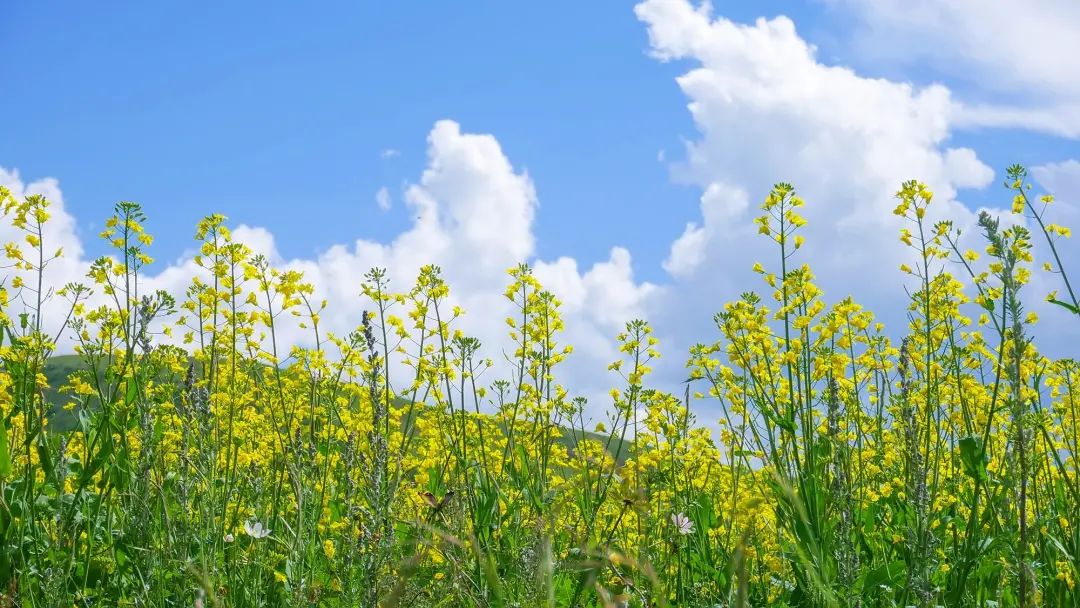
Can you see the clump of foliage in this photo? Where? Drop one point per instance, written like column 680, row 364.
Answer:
column 203, row 463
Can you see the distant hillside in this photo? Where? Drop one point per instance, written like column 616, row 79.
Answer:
column 57, row 371
column 60, row 367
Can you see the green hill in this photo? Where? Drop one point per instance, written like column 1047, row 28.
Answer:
column 60, row 367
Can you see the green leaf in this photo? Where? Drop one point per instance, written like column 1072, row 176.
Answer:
column 779, row 420
column 45, row 457
column 1069, row 307
column 973, row 458
column 889, row 575
column 132, row 391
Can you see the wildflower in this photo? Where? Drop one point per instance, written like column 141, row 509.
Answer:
column 229, row 538
column 682, row 523
column 256, row 530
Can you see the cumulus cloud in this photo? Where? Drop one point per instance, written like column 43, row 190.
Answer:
column 472, row 215
column 1020, row 53
column 598, row 303
column 768, row 109
column 60, row 233
column 1063, row 179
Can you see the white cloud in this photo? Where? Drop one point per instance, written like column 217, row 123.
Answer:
column 382, row 199
column 1063, row 179
column 720, row 204
column 1022, row 53
column 60, row 232
column 1061, row 119
column 472, row 216
column 607, row 294
column 767, row 109
column 389, row 153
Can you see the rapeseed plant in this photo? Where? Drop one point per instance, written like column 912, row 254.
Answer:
column 193, row 458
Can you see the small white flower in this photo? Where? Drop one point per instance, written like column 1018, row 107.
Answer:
column 229, row 538
column 255, row 529
column 682, row 523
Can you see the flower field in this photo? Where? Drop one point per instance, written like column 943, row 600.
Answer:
column 187, row 456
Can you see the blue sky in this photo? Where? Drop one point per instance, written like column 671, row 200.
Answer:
column 654, row 129
column 278, row 115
